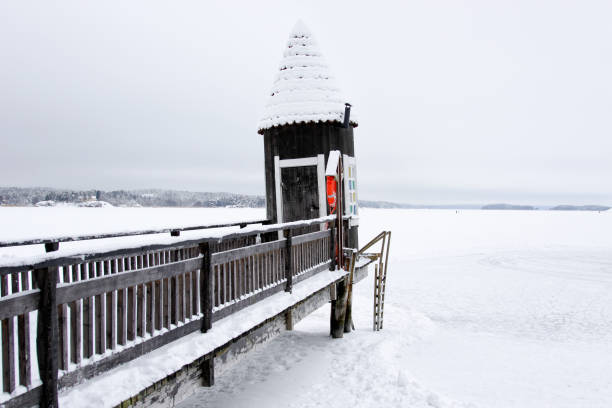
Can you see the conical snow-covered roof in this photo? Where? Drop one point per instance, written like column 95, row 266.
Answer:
column 304, row 89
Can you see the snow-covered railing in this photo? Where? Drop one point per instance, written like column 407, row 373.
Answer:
column 245, row 275
column 173, row 231
column 67, row 319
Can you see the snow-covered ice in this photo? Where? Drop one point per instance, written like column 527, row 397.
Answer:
column 483, row 309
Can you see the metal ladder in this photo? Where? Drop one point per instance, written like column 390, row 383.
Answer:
column 380, row 273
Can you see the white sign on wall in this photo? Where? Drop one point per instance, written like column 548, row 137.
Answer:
column 351, row 199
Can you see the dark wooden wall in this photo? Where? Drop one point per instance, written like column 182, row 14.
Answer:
column 302, row 140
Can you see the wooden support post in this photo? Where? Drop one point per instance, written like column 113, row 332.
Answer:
column 348, row 318
column 288, row 264
column 51, row 246
column 8, row 348
column 206, row 289
column 289, row 319
column 47, row 335
column 332, row 248
column 339, row 212
column 208, row 370
column 338, row 308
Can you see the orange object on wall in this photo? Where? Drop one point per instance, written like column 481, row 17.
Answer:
column 332, row 197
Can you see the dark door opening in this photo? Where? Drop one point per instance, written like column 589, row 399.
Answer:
column 300, row 191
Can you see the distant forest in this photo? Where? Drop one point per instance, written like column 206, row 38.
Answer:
column 128, row 198
column 29, row 196
column 555, row 208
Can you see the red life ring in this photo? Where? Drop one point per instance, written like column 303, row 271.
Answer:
column 332, row 198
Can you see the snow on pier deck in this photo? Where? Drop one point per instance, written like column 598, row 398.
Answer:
column 127, row 381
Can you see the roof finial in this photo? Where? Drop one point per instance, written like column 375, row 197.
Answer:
column 300, row 29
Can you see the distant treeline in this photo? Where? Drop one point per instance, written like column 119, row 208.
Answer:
column 581, row 208
column 387, row 204
column 28, row 196
column 508, row 207
column 128, row 198
column 556, row 208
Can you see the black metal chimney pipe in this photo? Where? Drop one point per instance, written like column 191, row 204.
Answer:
column 347, row 114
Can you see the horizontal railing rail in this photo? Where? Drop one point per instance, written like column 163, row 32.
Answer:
column 99, row 310
column 251, row 250
column 174, row 231
column 102, row 255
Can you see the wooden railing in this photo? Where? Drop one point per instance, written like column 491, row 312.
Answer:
column 85, row 315
column 244, row 275
column 173, row 231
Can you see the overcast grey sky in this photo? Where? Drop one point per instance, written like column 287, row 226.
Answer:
column 458, row 101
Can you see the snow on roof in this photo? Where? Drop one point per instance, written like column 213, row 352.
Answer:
column 304, row 89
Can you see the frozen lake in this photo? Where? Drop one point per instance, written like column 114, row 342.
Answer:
column 484, row 309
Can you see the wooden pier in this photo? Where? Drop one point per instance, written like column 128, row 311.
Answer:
column 97, row 311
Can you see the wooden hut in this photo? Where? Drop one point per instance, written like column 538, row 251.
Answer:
column 305, row 118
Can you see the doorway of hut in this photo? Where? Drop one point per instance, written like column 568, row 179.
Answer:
column 300, row 195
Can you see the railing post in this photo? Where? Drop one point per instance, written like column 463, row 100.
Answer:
column 288, row 263
column 7, row 374
column 332, row 248
column 47, row 335
column 206, row 288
